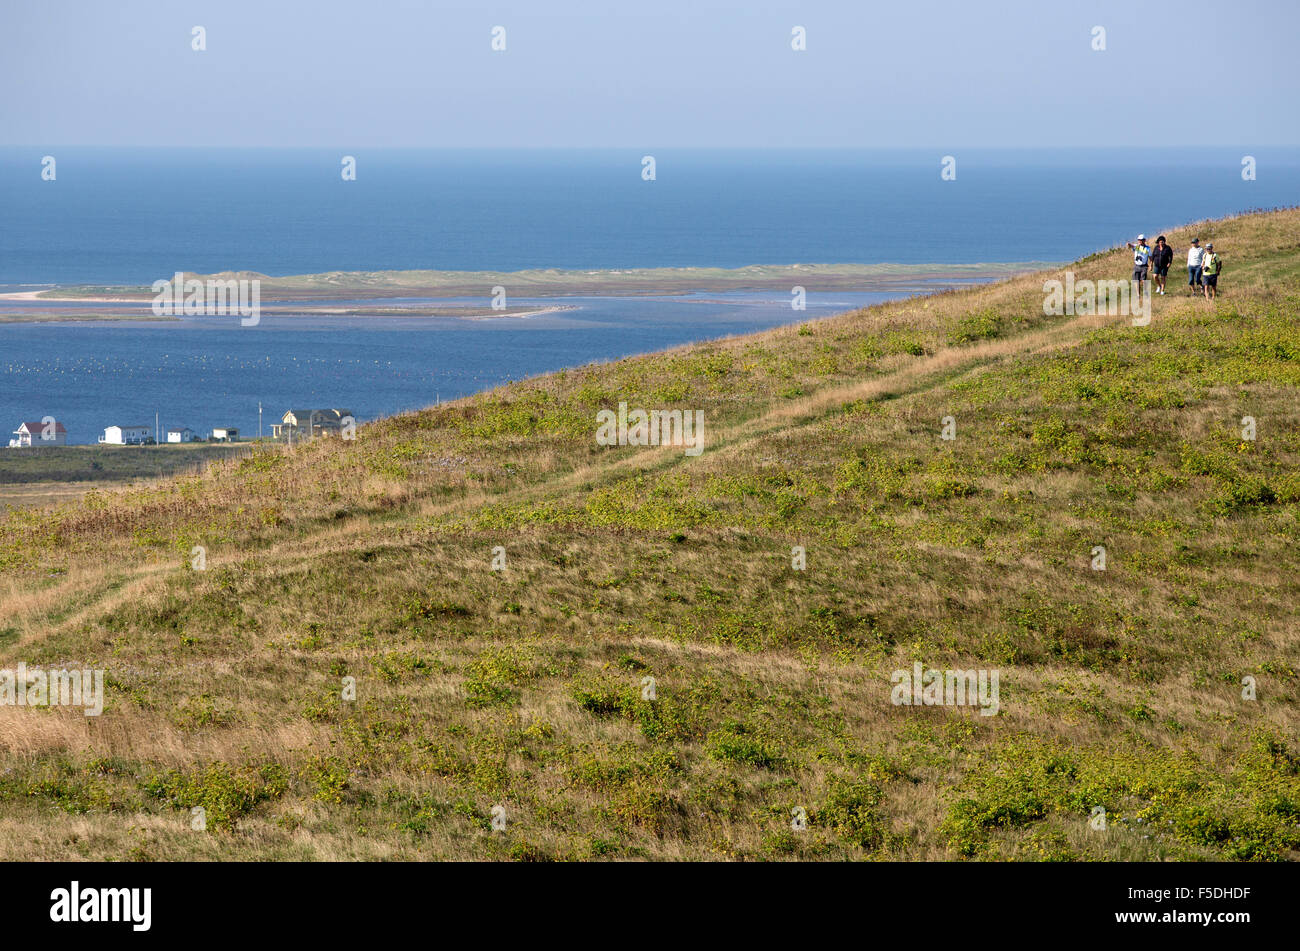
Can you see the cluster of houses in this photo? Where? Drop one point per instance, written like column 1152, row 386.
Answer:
column 146, row 436
column 295, row 424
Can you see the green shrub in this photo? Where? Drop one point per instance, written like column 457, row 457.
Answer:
column 738, row 743
column 850, row 810
column 981, row 325
column 225, row 792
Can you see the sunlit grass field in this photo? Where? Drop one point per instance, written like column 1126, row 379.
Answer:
column 51, row 474
column 520, row 694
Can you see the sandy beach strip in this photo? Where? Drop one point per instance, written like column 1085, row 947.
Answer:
column 36, row 295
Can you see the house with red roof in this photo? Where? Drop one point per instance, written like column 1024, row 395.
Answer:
column 46, row 432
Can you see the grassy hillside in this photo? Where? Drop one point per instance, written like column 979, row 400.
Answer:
column 522, row 688
column 104, row 463
column 41, row 475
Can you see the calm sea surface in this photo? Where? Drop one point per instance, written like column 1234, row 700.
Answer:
column 129, row 215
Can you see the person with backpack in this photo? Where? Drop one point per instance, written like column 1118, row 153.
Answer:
column 1195, row 258
column 1141, row 261
column 1161, row 257
column 1211, row 268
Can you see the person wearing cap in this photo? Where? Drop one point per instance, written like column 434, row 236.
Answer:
column 1141, row 260
column 1195, row 256
column 1161, row 257
column 1211, row 267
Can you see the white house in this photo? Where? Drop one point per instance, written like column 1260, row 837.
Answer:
column 182, row 434
column 225, row 434
column 127, row 435
column 39, row 434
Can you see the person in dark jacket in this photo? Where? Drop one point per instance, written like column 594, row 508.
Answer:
column 1161, row 257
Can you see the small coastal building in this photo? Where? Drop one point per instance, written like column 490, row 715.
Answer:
column 303, row 423
column 181, row 434
column 39, row 433
column 225, row 434
column 127, row 436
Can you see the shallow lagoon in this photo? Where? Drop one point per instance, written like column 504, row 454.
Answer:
column 208, row 372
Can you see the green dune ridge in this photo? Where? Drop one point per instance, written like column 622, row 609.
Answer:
column 553, row 282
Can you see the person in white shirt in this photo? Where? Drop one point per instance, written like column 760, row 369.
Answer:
column 1195, row 255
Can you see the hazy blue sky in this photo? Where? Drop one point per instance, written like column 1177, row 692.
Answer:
column 659, row 73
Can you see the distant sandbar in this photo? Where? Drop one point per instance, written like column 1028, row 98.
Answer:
column 551, row 282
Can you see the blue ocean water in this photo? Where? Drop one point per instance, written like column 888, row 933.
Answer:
column 136, row 215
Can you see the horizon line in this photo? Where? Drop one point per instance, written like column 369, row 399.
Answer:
column 697, row 147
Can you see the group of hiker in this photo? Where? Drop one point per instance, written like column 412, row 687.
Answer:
column 1203, row 266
